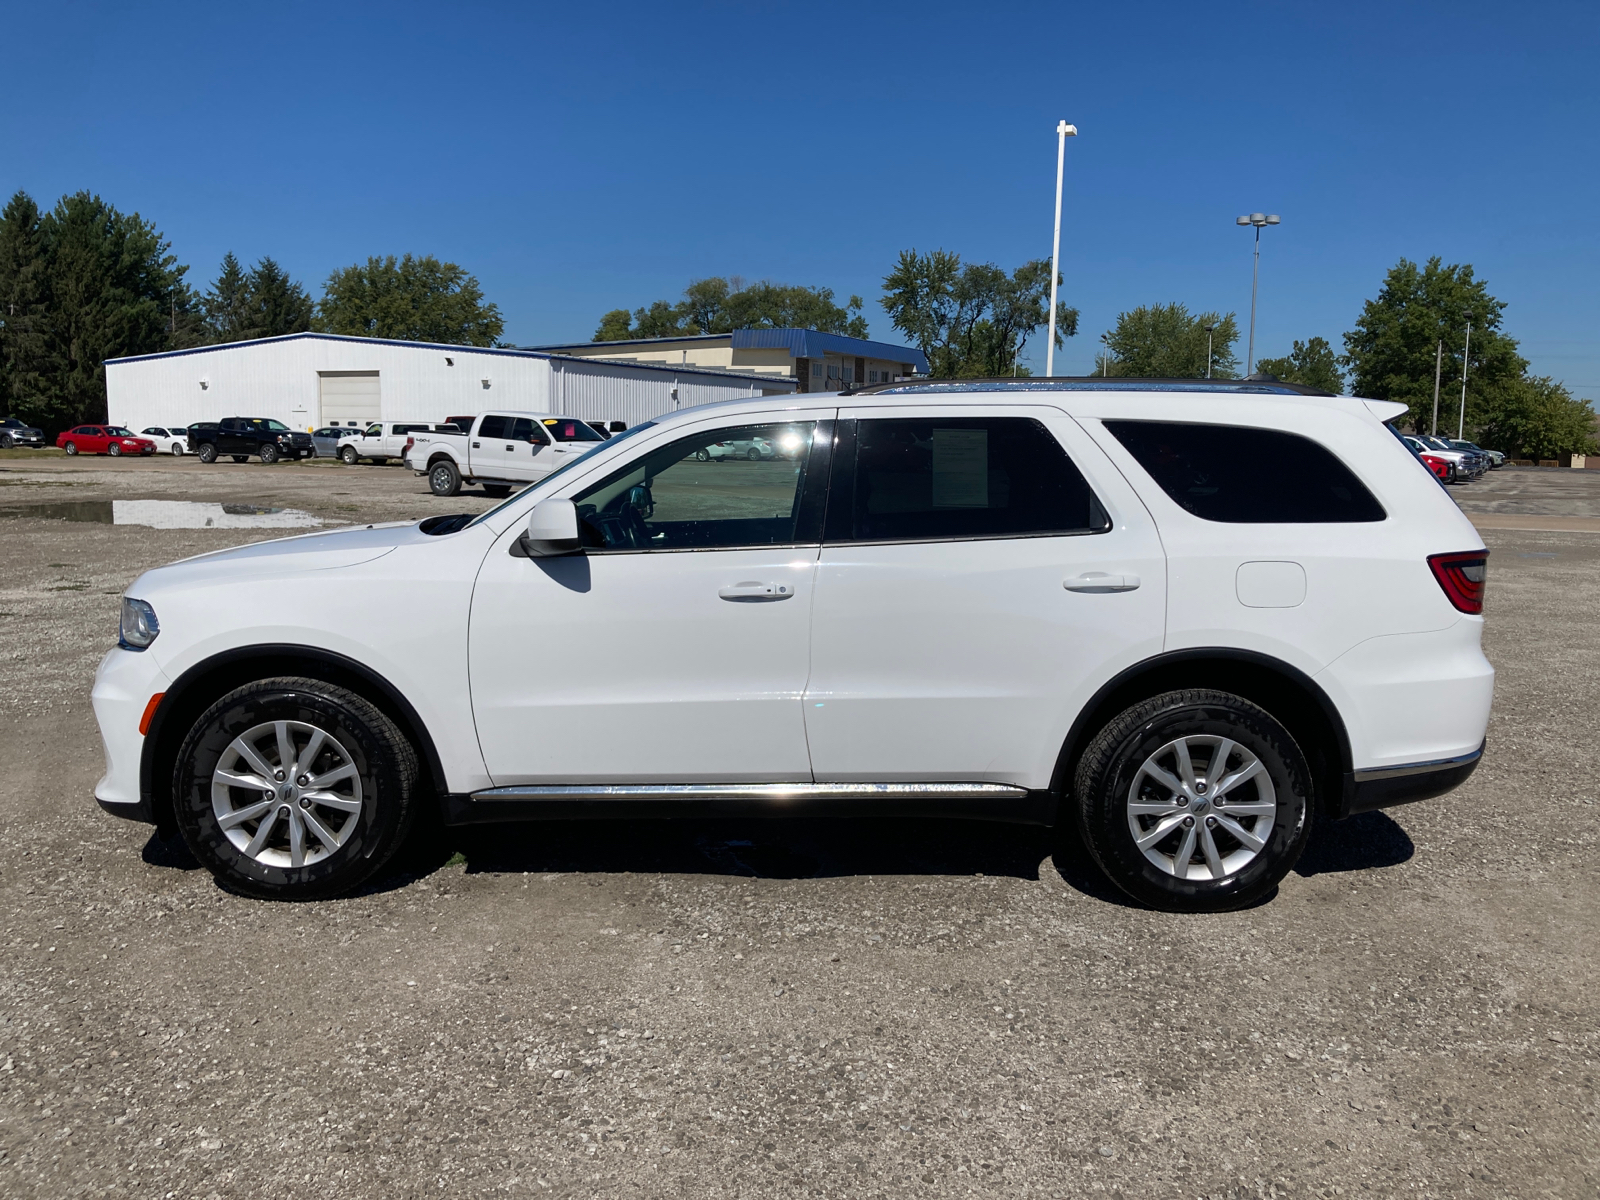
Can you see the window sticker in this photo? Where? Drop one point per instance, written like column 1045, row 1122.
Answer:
column 960, row 468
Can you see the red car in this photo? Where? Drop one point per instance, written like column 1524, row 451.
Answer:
column 104, row 439
column 1443, row 468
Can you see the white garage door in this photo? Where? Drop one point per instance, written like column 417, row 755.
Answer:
column 350, row 397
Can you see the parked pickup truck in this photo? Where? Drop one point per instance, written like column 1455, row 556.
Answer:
column 504, row 450
column 241, row 437
column 382, row 440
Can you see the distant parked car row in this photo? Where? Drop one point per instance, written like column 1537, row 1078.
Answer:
column 1453, row 460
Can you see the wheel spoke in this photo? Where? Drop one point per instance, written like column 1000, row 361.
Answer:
column 1180, row 860
column 1180, row 751
column 1208, row 847
column 1166, row 780
column 323, row 834
column 1253, row 808
column 1160, row 831
column 1250, row 840
column 233, row 779
column 248, row 813
column 263, row 832
column 1152, row 808
column 252, row 756
column 307, row 758
column 333, row 800
column 1244, row 774
column 286, row 754
column 1219, row 763
column 297, row 839
column 334, row 776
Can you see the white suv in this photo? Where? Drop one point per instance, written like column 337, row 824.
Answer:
column 1186, row 619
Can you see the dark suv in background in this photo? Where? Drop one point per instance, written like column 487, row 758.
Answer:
column 242, row 437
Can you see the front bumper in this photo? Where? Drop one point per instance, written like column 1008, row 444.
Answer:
column 122, row 688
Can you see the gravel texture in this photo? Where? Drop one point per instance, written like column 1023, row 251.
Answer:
column 710, row 1009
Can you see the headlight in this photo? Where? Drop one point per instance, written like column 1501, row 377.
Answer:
column 139, row 625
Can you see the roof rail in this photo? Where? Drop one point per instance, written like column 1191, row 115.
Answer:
column 1089, row 383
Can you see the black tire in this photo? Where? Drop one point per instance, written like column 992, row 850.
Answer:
column 497, row 491
column 386, row 767
column 269, row 453
column 348, row 456
column 444, row 478
column 5, row 441
column 1112, row 764
column 177, row 449
column 72, row 447
column 207, row 453
column 702, row 456
column 753, row 454
column 114, row 450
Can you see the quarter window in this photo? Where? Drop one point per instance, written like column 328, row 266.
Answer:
column 720, row 489
column 931, row 479
column 1241, row 475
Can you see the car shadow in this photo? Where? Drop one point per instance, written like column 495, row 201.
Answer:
column 1360, row 843
column 159, row 852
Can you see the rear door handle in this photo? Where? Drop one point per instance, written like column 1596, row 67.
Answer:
column 757, row 591
column 1100, row 581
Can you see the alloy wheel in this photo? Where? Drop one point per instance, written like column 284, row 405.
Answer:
column 286, row 793
column 1201, row 807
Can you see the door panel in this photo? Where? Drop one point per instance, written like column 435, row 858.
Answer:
column 967, row 660
column 674, row 649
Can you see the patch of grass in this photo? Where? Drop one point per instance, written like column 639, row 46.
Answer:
column 24, row 452
column 457, row 859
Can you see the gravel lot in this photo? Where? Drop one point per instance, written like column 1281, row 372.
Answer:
column 773, row 1009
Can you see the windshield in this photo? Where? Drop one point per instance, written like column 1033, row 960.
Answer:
column 275, row 426
column 565, row 467
column 118, row 431
column 570, row 429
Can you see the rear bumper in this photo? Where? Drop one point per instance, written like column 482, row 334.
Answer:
column 1384, row 787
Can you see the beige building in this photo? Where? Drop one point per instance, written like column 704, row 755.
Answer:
column 817, row 362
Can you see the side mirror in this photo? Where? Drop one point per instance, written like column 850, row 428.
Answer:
column 552, row 530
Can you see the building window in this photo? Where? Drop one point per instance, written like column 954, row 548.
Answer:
column 816, row 370
column 833, row 370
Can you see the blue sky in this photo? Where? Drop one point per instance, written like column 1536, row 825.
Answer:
column 578, row 158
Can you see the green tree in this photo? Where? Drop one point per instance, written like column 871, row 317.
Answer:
column 278, row 304
column 1164, row 341
column 101, row 284
column 721, row 305
column 24, row 286
column 226, row 303
column 975, row 320
column 1310, row 364
column 1533, row 417
column 413, row 299
column 1390, row 352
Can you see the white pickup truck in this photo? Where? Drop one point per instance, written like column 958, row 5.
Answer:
column 504, row 450
column 381, row 441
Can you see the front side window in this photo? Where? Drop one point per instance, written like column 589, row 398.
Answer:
column 1247, row 476
column 157, row 431
column 571, row 430
column 690, row 495
column 938, row 478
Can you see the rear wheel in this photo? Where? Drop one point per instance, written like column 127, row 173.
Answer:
column 497, row 491
column 444, row 479
column 348, row 456
column 207, row 453
column 269, row 453
column 702, row 456
column 1194, row 801
column 71, row 447
column 294, row 789
column 754, row 454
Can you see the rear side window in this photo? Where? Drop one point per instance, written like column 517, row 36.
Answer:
column 1245, row 476
column 494, row 427
column 930, row 479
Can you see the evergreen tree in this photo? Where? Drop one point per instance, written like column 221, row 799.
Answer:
column 227, row 305
column 278, row 305
column 24, row 283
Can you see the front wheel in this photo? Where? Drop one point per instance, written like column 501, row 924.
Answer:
column 702, row 456
column 114, row 450
column 269, row 454
column 348, row 456
column 177, row 449
column 753, row 455
column 5, row 441
column 1194, row 801
column 294, row 789
column 207, row 453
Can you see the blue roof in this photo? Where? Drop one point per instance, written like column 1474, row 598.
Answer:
column 800, row 343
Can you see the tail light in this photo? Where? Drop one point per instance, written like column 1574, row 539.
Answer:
column 410, row 442
column 1463, row 577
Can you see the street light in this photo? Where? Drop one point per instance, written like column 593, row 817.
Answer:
column 1258, row 220
column 1063, row 132
column 1105, row 356
column 1210, row 329
column 1466, row 352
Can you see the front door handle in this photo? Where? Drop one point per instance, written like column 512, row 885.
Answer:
column 1100, row 581
column 757, row 591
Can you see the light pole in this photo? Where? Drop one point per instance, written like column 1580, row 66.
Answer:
column 1438, row 366
column 1210, row 329
column 1258, row 220
column 1466, row 353
column 1105, row 356
column 1063, row 132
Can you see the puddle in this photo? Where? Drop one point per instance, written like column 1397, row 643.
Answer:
column 168, row 514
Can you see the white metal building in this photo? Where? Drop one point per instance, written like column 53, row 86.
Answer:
column 312, row 380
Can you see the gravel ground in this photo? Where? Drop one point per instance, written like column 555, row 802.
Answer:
column 778, row 1009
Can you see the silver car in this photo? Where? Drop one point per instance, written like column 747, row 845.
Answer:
column 325, row 442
